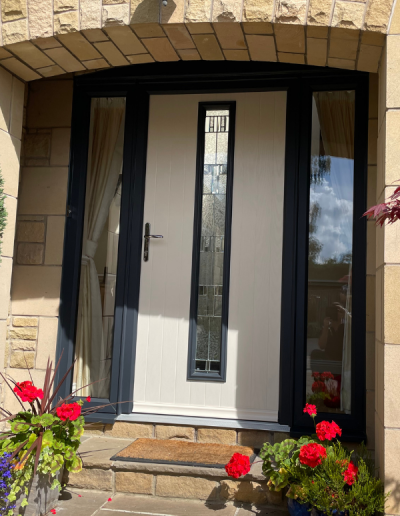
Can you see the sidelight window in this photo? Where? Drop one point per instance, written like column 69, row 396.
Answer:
column 95, row 323
column 330, row 252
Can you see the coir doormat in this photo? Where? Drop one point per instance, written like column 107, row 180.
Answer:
column 181, row 453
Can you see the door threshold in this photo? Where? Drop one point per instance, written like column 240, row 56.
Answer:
column 202, row 421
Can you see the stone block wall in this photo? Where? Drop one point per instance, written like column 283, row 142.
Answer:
column 349, row 46
column 12, row 93
column 33, row 319
column 387, row 362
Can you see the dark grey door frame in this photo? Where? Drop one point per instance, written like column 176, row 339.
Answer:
column 137, row 83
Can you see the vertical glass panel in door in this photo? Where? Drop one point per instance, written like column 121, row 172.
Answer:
column 95, row 323
column 209, row 321
column 330, row 251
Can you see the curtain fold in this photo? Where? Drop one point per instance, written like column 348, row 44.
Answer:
column 336, row 114
column 104, row 167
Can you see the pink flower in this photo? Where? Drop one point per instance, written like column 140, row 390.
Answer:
column 328, row 431
column 311, row 410
column 71, row 411
column 27, row 391
column 350, row 475
column 238, row 465
column 312, row 454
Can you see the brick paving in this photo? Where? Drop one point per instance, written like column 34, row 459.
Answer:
column 94, row 503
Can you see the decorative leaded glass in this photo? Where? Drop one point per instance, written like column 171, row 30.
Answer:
column 213, row 216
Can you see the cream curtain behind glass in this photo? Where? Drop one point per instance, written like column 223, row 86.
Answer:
column 336, row 115
column 104, row 167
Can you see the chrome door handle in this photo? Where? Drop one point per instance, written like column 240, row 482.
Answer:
column 147, row 237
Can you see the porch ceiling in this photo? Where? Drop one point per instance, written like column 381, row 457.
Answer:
column 45, row 38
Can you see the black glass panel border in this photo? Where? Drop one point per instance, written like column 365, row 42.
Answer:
column 192, row 374
column 353, row 424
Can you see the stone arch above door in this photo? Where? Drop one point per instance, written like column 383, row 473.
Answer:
column 42, row 38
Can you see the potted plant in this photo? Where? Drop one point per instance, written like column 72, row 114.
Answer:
column 43, row 439
column 319, row 475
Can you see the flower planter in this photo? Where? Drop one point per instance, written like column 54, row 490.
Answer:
column 300, row 509
column 41, row 499
column 303, row 509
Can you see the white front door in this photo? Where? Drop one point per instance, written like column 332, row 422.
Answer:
column 251, row 389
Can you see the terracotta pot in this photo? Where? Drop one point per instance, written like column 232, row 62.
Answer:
column 41, row 499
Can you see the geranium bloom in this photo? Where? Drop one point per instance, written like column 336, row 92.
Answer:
column 318, row 386
column 350, row 474
column 327, row 376
column 88, row 399
column 238, row 465
column 71, row 411
column 326, row 430
column 311, row 410
column 312, row 454
column 27, row 391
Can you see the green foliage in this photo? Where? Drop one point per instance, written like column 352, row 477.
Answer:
column 59, row 447
column 324, row 487
column 327, row 489
column 3, row 212
column 281, row 463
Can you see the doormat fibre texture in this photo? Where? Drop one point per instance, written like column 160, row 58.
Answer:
column 182, row 453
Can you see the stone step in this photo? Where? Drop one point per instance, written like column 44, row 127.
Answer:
column 167, row 480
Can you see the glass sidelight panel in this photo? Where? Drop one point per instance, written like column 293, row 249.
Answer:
column 330, row 252
column 212, row 198
column 95, row 323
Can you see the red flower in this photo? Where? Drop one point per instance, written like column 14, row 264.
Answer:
column 79, row 496
column 27, row 391
column 318, row 386
column 88, row 399
column 109, row 500
column 71, row 411
column 326, row 430
column 327, row 375
column 333, row 402
column 53, row 511
column 312, row 454
column 311, row 410
column 350, row 475
column 238, row 465
column 315, row 375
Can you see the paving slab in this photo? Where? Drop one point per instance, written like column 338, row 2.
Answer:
column 97, row 451
column 140, row 505
column 95, row 503
column 70, row 504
